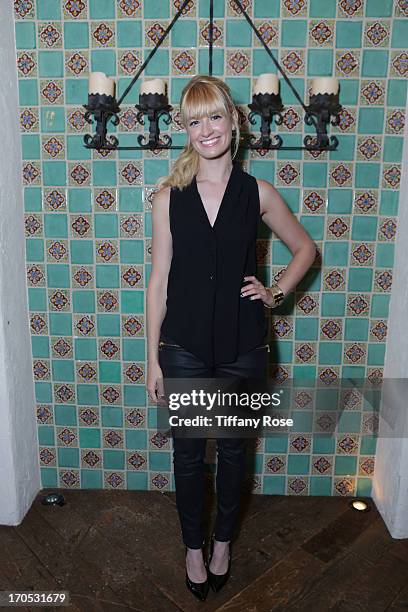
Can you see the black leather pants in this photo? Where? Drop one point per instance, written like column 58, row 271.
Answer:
column 188, row 453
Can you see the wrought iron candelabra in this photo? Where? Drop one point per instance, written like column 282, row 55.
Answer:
column 323, row 109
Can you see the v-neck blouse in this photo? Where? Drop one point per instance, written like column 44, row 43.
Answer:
column 205, row 313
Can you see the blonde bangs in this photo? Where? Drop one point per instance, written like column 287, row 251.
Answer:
column 202, row 100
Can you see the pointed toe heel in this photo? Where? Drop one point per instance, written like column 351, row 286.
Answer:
column 217, row 581
column 198, row 589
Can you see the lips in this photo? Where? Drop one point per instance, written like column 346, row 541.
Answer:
column 211, row 142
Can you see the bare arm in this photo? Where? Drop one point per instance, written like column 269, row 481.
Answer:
column 276, row 214
column 162, row 250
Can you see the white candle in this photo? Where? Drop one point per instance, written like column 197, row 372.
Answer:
column 329, row 85
column 267, row 83
column 101, row 84
column 153, row 86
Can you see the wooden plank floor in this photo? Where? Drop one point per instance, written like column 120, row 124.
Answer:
column 122, row 550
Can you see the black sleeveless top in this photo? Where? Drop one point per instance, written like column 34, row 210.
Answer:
column 205, row 313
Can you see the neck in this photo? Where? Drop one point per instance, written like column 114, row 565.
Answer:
column 215, row 170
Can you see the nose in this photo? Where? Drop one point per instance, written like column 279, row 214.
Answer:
column 206, row 127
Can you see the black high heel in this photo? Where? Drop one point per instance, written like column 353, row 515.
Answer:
column 217, row 581
column 199, row 589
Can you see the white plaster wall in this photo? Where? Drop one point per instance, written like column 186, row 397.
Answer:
column 19, row 466
column 390, row 484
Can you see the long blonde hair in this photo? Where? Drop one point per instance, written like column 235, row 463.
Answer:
column 203, row 96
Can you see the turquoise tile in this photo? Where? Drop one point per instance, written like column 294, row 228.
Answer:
column 132, row 302
column 81, row 251
column 261, row 63
column 375, row 63
column 291, row 140
column 55, row 226
column 177, row 86
column 91, row 479
column 28, row 92
column 367, row 175
column 159, row 64
column 34, row 249
column 333, row 304
column 159, row 460
column 46, row 435
column 131, row 251
column 397, row 92
column 25, row 35
column 30, row 144
column 37, row 299
column 384, row 255
column 104, row 173
column 184, row 33
column 60, row 323
column 375, row 354
column 76, row 91
column 102, row 9
column 104, row 60
column 262, row 170
column 133, row 396
column 130, row 199
column 319, row 62
column 68, row 457
column 346, row 148
column 133, row 349
column 356, row 329
column 40, row 346
column 79, row 200
column 154, row 169
column 63, row 370
column 345, row 466
column 76, row 35
column 58, row 275
column 314, row 174
column 64, row 415
column 314, row 226
column 274, row 485
column 136, row 482
column 348, row 34
column 76, row 149
column 330, row 353
column 349, row 91
column 320, row 485
column 156, row 10
column 354, row 372
column 129, row 33
column 349, row 422
column 368, row 445
column 322, row 8
column 364, row 227
column 240, row 89
column 380, row 305
column 298, row 464
column 218, row 62
column 54, row 173
column 83, row 301
column 287, row 94
column 238, row 33
column 281, row 254
column 49, row 478
column 109, row 372
column 129, row 140
column 50, row 63
column 32, row 199
column 393, row 148
column 370, row 120
column 340, row 201
column 48, row 9
column 87, row 395
column 389, row 202
column 108, row 324
column 364, row 487
column 52, row 119
column 219, row 8
column 378, row 8
column 311, row 281
column 304, row 373
column 399, row 33
column 291, row 197
column 360, row 279
column 107, row 276
column 113, row 459
column 106, row 226
column 282, row 351
column 293, row 32
column 276, row 443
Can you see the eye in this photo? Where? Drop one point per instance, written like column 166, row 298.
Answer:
column 216, row 116
column 192, row 122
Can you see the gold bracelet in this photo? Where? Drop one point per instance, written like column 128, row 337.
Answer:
column 277, row 295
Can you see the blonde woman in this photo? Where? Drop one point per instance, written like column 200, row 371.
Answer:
column 205, row 304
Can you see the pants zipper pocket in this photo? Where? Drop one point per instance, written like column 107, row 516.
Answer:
column 161, row 343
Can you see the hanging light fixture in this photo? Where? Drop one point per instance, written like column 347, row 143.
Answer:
column 323, row 109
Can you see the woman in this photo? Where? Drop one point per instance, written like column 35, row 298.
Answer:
column 205, row 314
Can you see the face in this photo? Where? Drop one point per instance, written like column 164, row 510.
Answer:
column 210, row 136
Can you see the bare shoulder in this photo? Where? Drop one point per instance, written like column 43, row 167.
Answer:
column 161, row 198
column 267, row 194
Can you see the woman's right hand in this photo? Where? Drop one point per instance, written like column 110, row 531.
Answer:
column 154, row 384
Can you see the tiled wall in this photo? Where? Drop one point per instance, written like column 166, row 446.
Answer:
column 88, row 225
